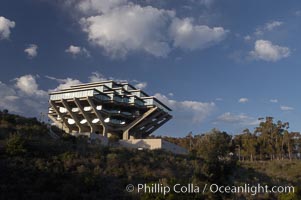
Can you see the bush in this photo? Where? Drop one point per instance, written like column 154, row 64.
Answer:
column 15, row 145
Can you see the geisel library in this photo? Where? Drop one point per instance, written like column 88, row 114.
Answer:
column 103, row 109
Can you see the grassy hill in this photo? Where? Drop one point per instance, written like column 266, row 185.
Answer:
column 35, row 166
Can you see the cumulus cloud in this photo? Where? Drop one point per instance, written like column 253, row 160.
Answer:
column 120, row 27
column 286, row 108
column 24, row 96
column 64, row 83
column 8, row 96
column 97, row 77
column 237, row 119
column 31, row 50
column 269, row 26
column 5, row 27
column 189, row 36
column 243, row 100
column 28, row 85
column 261, row 30
column 73, row 50
column 129, row 28
column 272, row 25
column 274, row 100
column 76, row 50
column 265, row 50
column 298, row 13
column 194, row 111
column 206, row 3
column 99, row 6
column 247, row 38
column 140, row 85
column 94, row 77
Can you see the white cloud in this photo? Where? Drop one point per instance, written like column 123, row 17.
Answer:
column 64, row 83
column 274, row 100
column 129, row 28
column 219, row 99
column 189, row 36
column 259, row 32
column 120, row 27
column 269, row 26
column 298, row 13
column 237, row 119
column 6, row 91
column 73, row 49
column 243, row 100
column 28, row 85
column 272, row 25
column 25, row 97
column 194, row 111
column 8, row 96
column 76, row 50
column 11, row 98
column 18, row 98
column 99, row 6
column 286, row 108
column 206, row 3
column 140, row 85
column 247, row 38
column 31, row 50
column 97, row 77
column 231, row 118
column 265, row 50
column 5, row 27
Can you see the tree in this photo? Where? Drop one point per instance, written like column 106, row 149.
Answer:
column 270, row 138
column 214, row 148
column 249, row 144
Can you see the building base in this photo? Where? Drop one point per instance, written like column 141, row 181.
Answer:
column 153, row 144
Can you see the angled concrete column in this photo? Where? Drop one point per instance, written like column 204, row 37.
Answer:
column 152, row 123
column 101, row 120
column 80, row 107
column 58, row 124
column 147, row 122
column 65, row 123
column 135, row 122
column 156, row 126
column 72, row 115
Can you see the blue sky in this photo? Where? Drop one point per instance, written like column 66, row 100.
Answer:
column 216, row 63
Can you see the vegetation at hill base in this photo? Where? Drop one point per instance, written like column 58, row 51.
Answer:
column 35, row 166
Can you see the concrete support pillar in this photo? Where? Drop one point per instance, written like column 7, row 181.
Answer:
column 66, row 127
column 125, row 135
column 65, row 103
column 156, row 126
column 89, row 120
column 59, row 124
column 101, row 120
column 126, row 130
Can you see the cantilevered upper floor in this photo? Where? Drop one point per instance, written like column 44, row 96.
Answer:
column 107, row 108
